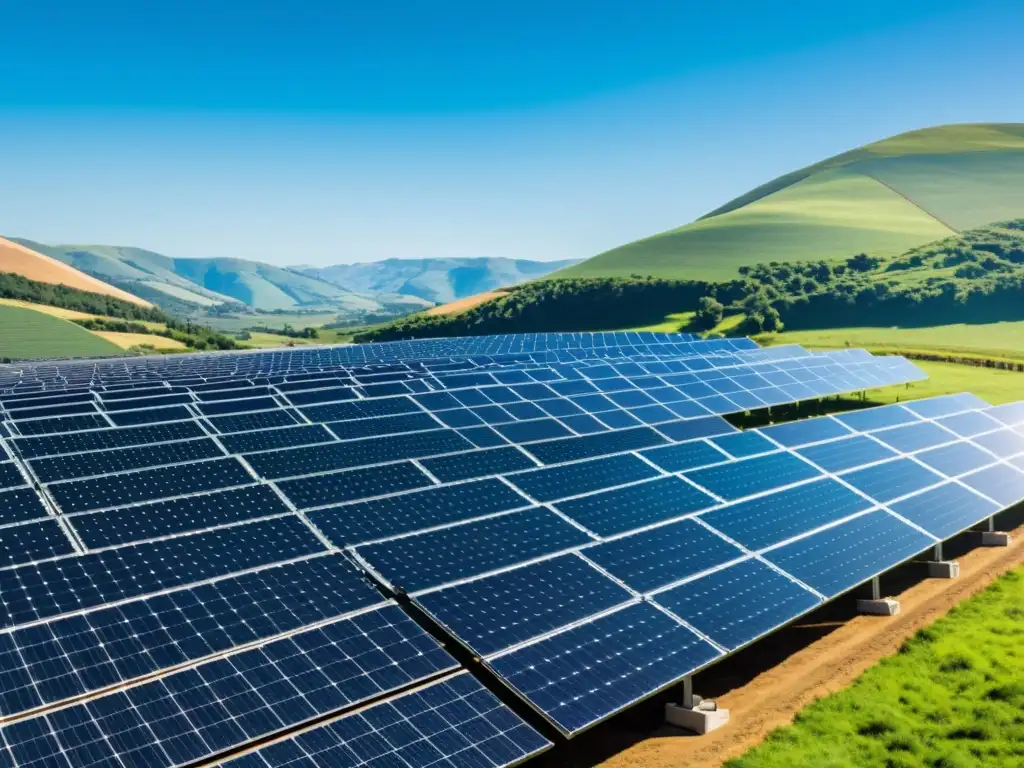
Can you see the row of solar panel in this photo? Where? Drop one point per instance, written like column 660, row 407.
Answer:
column 454, row 553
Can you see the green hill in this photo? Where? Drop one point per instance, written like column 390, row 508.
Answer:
column 28, row 335
column 881, row 199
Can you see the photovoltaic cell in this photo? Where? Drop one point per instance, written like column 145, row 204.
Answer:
column 836, row 559
column 662, row 555
column 738, row 479
column 946, row 510
column 385, row 425
column 503, row 610
column 454, row 722
column 847, row 453
column 803, row 432
column 273, row 439
column 559, row 482
column 566, row 676
column 464, row 466
column 970, row 423
column 766, row 520
column 696, row 428
column 96, row 440
column 394, row 515
column 77, row 465
column 355, row 484
column 738, row 604
column 1000, row 483
column 935, row 407
column 32, row 541
column 430, row 559
column 245, row 422
column 69, row 657
column 892, row 479
column 742, row 444
column 877, row 418
column 19, row 505
column 600, row 444
column 49, row 588
column 915, row 437
column 1003, row 443
column 683, row 456
column 956, row 459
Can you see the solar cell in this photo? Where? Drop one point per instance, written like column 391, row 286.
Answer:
column 394, row 515
column 149, row 416
column 200, row 712
column 30, row 541
column 945, row 510
column 96, row 440
column 766, row 520
column 654, row 558
column 955, row 459
column 339, row 487
column 847, row 453
column 363, row 409
column 838, row 558
column 969, row 423
column 708, row 426
column 738, row 604
column 384, row 425
column 915, row 437
column 60, row 424
column 438, row 557
column 19, row 505
column 560, row 482
column 683, row 456
column 935, row 407
column 148, row 484
column 455, row 721
column 1001, row 483
column 566, row 676
column 798, row 433
column 10, row 476
column 587, row 446
column 1010, row 414
column 503, row 610
column 742, row 444
column 246, row 422
column 892, row 479
column 69, row 657
column 272, row 439
column 70, row 466
column 635, row 506
column 1003, row 443
column 737, row 479
column 539, row 429
column 877, row 418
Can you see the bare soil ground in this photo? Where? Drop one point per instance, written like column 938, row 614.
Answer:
column 36, row 266
column 766, row 684
column 454, row 307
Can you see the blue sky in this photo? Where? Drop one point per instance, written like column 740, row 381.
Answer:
column 323, row 132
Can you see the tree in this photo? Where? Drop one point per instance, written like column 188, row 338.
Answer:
column 709, row 313
column 863, row 263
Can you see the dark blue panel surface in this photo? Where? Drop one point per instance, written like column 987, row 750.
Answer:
column 749, row 476
column 803, row 432
column 635, row 506
column 431, row 559
column 151, row 416
column 76, row 465
column 662, row 555
column 510, row 607
column 691, row 429
column 738, row 604
column 892, row 479
column 32, row 541
column 99, row 439
column 836, row 559
column 600, row 444
column 566, row 676
column 273, row 439
column 73, row 583
column 463, row 466
column 915, row 437
column 742, row 444
column 946, row 510
column 454, row 722
column 551, row 483
column 956, row 459
column 876, row 418
column 164, row 518
column 1000, row 483
column 384, row 425
column 538, row 429
column 338, row 487
column 769, row 519
column 677, row 458
column 148, row 484
column 19, row 505
column 378, row 519
column 245, row 422
column 848, row 453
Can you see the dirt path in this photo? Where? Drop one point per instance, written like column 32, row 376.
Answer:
column 772, row 698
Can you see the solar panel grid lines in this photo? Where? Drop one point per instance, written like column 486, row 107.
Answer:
column 411, row 730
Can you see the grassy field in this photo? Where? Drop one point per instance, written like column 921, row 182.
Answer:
column 992, row 385
column 28, row 334
column 71, row 314
column 128, row 340
column 951, row 698
column 880, row 199
column 990, row 340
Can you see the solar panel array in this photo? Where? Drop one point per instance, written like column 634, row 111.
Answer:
column 199, row 554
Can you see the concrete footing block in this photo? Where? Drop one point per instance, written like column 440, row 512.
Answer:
column 945, row 569
column 698, row 719
column 995, row 539
column 884, row 607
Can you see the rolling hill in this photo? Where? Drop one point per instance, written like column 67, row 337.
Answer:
column 30, row 263
column 881, row 199
column 436, row 280
column 28, row 334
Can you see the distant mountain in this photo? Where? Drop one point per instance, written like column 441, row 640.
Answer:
column 204, row 283
column 19, row 257
column 436, row 280
column 881, row 199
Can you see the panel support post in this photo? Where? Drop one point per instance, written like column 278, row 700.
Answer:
column 941, row 569
column 877, row 605
column 694, row 713
column 993, row 538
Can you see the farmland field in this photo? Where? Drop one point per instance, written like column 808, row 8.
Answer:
column 952, row 697
column 126, row 340
column 28, row 334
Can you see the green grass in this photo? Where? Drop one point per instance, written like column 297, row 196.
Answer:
column 26, row 334
column 880, row 199
column 991, row 340
column 680, row 321
column 952, row 697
